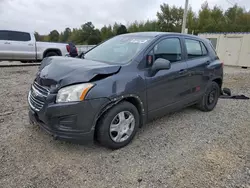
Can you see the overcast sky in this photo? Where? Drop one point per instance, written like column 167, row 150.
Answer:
column 46, row 15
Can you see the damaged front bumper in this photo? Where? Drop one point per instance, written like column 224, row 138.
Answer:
column 69, row 121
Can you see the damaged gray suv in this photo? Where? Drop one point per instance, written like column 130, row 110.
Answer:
column 119, row 85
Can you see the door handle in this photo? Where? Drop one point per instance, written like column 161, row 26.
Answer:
column 183, row 71
column 30, row 44
column 7, row 43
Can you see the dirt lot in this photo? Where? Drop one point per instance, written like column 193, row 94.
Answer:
column 185, row 149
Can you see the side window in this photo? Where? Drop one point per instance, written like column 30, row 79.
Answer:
column 213, row 41
column 3, row 35
column 169, row 49
column 19, row 36
column 204, row 49
column 194, row 49
column 213, row 47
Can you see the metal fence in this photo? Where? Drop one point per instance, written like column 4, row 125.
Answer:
column 84, row 48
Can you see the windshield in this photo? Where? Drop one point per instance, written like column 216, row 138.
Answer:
column 118, row 50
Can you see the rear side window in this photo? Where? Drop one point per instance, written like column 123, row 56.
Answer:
column 169, row 49
column 3, row 35
column 213, row 42
column 204, row 49
column 18, row 36
column 213, row 48
column 194, row 49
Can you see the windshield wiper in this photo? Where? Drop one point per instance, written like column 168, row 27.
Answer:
column 81, row 55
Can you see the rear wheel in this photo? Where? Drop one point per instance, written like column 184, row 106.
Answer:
column 118, row 126
column 50, row 54
column 210, row 97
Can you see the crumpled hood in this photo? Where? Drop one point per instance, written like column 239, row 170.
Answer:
column 64, row 71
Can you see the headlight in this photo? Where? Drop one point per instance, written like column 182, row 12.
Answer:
column 73, row 93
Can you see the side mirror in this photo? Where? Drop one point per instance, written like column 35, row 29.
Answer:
column 160, row 64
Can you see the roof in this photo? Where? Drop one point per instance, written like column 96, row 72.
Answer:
column 149, row 34
column 155, row 34
column 213, row 33
column 16, row 30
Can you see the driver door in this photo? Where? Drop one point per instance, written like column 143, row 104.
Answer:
column 167, row 88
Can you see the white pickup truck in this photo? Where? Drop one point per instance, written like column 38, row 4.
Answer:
column 22, row 46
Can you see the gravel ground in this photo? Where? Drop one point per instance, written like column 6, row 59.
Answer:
column 15, row 63
column 185, row 149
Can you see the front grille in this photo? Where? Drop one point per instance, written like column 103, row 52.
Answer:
column 37, row 96
column 43, row 90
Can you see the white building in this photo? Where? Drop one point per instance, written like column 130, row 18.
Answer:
column 232, row 48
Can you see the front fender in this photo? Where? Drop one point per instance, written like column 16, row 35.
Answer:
column 119, row 85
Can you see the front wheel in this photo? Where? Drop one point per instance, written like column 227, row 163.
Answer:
column 210, row 98
column 118, row 126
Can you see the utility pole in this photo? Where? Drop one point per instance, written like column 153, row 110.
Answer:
column 184, row 21
column 230, row 2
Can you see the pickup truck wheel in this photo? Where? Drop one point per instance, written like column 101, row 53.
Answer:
column 118, row 126
column 210, row 97
column 49, row 54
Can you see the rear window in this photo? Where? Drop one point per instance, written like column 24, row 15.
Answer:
column 3, row 35
column 18, row 36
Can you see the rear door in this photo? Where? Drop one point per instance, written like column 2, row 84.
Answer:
column 22, row 46
column 5, row 48
column 198, row 60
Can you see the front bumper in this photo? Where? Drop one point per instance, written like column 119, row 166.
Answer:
column 69, row 121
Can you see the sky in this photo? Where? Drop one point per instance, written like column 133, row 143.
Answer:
column 45, row 15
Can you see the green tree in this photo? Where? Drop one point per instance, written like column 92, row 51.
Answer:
column 37, row 36
column 106, row 32
column 64, row 37
column 86, row 31
column 191, row 22
column 115, row 27
column 170, row 18
column 121, row 30
column 233, row 18
column 133, row 27
column 218, row 19
column 205, row 23
column 149, row 25
column 75, row 36
column 95, row 37
column 54, row 36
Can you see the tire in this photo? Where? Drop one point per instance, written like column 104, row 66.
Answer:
column 205, row 103
column 50, row 54
column 110, row 139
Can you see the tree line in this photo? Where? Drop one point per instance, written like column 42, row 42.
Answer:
column 169, row 19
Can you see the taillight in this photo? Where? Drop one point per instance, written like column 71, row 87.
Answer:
column 68, row 48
